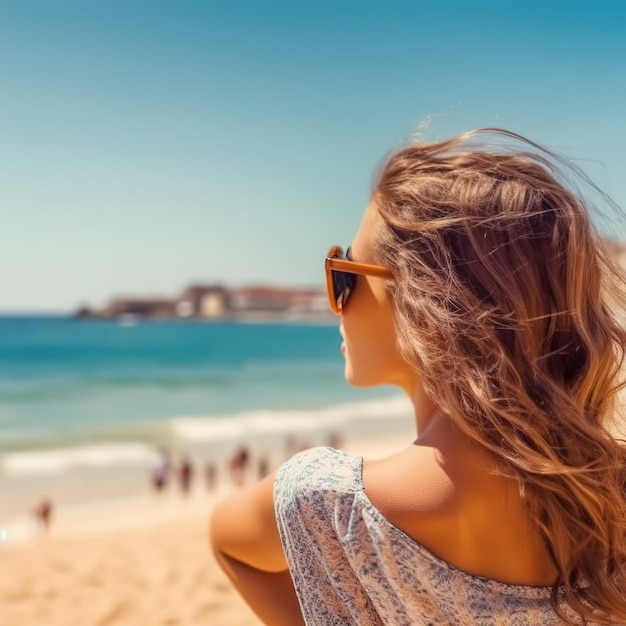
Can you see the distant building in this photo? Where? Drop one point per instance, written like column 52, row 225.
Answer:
column 276, row 300
column 204, row 301
column 216, row 302
column 260, row 298
column 309, row 301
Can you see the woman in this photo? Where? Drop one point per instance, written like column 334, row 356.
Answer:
column 477, row 285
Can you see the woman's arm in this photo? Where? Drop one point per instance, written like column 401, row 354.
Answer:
column 269, row 594
column 244, row 537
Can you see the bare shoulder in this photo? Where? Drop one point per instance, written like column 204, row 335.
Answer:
column 415, row 494
column 410, row 483
column 432, row 477
column 447, row 496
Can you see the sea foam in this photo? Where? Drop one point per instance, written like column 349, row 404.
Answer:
column 207, row 430
column 250, row 423
column 63, row 459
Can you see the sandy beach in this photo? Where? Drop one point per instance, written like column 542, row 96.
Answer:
column 144, row 561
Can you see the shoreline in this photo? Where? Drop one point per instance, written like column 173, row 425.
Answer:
column 104, row 470
column 128, row 501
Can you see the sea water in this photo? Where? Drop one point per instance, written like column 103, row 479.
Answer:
column 79, row 396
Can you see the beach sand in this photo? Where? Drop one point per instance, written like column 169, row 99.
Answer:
column 159, row 574
column 142, row 562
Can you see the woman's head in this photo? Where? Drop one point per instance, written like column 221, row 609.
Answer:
column 499, row 304
column 495, row 265
column 367, row 326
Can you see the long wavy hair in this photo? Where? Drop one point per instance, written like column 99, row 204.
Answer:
column 506, row 303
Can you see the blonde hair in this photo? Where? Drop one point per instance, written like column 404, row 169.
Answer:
column 504, row 301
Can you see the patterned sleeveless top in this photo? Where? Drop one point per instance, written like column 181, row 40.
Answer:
column 350, row 565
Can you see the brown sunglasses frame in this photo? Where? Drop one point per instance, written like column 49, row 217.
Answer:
column 351, row 267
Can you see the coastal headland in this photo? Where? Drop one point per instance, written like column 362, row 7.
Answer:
column 217, row 302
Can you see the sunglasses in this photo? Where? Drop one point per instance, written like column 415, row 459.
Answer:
column 341, row 273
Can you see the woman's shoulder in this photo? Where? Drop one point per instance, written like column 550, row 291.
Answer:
column 410, row 482
column 462, row 510
column 319, row 469
column 313, row 490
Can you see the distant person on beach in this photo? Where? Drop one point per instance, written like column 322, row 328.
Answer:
column 477, row 284
column 335, row 440
column 210, row 475
column 263, row 466
column 186, row 473
column 42, row 513
column 238, row 466
column 161, row 470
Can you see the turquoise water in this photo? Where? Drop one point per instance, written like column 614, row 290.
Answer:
column 65, row 382
column 85, row 404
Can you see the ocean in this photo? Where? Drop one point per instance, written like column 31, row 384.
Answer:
column 83, row 402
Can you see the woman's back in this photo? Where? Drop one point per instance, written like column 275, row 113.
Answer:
column 351, row 565
column 447, row 496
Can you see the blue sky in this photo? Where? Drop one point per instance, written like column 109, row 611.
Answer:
column 147, row 144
